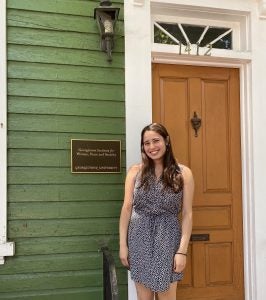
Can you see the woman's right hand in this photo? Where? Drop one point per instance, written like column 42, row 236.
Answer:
column 123, row 254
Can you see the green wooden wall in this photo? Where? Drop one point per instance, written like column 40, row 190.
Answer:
column 60, row 86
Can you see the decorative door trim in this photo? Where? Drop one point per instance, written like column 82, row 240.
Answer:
column 6, row 249
column 139, row 99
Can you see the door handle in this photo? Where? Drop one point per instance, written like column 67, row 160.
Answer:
column 196, row 123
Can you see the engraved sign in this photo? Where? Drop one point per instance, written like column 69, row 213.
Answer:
column 95, row 156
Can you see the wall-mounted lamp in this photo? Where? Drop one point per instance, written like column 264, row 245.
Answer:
column 106, row 17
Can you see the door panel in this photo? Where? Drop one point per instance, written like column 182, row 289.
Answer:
column 173, row 110
column 215, row 266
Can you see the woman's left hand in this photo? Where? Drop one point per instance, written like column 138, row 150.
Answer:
column 179, row 262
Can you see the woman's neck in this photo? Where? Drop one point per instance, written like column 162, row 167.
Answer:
column 158, row 169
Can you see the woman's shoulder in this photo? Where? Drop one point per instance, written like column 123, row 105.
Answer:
column 186, row 171
column 134, row 170
column 182, row 167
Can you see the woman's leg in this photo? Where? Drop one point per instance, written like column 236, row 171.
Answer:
column 143, row 292
column 169, row 294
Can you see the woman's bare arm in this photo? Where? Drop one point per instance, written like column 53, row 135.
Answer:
column 126, row 213
column 180, row 260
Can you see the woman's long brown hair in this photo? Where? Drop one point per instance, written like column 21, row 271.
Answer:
column 171, row 176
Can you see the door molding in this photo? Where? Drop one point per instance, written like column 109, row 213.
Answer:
column 139, row 113
column 247, row 159
column 6, row 248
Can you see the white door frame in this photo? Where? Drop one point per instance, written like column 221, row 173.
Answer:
column 138, row 60
column 6, row 248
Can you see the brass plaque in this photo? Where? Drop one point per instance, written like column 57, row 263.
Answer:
column 95, row 156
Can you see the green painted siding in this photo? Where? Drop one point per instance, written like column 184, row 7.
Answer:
column 60, row 87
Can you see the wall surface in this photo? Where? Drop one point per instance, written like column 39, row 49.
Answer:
column 259, row 111
column 60, row 87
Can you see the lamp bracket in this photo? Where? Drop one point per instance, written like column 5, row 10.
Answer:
column 106, row 16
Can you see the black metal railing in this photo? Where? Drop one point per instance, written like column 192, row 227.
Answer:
column 109, row 275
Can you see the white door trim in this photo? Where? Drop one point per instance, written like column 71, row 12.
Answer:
column 138, row 59
column 6, row 249
column 247, row 159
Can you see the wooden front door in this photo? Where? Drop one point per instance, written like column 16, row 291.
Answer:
column 215, row 263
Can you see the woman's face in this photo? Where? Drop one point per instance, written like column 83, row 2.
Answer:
column 154, row 145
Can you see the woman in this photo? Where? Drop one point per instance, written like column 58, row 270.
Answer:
column 153, row 245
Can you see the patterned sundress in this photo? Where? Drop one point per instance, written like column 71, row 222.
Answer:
column 154, row 234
